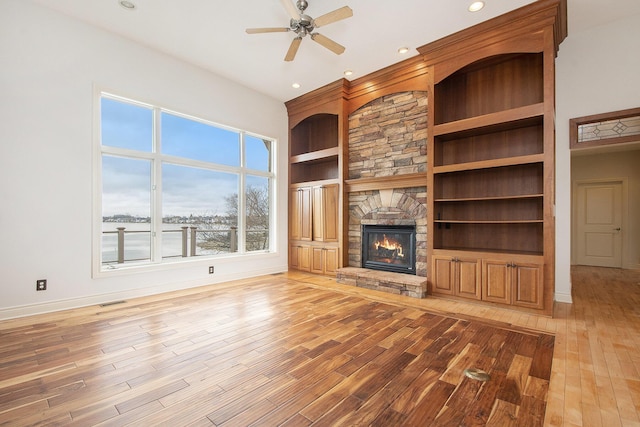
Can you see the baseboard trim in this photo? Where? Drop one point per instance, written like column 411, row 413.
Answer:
column 562, row 297
column 68, row 304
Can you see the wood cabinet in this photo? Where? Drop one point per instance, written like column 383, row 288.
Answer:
column 317, row 128
column 491, row 143
column 300, row 201
column 300, row 257
column 314, row 229
column 519, row 283
column 324, row 260
column 325, row 213
column 457, row 276
column 502, row 279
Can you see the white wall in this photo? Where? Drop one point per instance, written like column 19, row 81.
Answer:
column 616, row 165
column 49, row 64
column 596, row 72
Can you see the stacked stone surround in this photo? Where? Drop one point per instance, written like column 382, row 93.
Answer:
column 388, row 136
column 393, row 283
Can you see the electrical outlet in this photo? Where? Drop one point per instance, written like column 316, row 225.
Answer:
column 211, row 269
column 41, row 285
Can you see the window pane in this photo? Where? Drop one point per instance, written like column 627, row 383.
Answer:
column 126, row 125
column 258, row 153
column 126, row 209
column 257, row 213
column 199, row 141
column 204, row 200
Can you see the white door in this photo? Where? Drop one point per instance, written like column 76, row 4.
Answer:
column 599, row 224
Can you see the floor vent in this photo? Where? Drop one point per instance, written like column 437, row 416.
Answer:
column 477, row 374
column 107, row 304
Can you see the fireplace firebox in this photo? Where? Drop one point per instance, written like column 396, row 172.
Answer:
column 389, row 248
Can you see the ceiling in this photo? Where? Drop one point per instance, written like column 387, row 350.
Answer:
column 211, row 33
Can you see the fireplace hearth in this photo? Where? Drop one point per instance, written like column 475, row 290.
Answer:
column 389, row 248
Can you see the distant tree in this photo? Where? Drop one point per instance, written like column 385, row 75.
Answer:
column 257, row 217
column 218, row 236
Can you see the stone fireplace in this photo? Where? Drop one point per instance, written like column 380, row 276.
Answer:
column 387, row 142
column 389, row 248
column 388, row 209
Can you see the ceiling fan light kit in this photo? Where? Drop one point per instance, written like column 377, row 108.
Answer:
column 304, row 25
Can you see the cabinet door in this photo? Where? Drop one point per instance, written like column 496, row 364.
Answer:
column 294, row 257
column 527, row 285
column 317, row 260
column 331, row 260
column 443, row 275
column 299, row 257
column 300, row 203
column 325, row 213
column 496, row 281
column 468, row 278
column 304, row 257
column 324, row 260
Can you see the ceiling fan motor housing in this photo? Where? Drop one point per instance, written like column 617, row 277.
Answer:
column 302, row 26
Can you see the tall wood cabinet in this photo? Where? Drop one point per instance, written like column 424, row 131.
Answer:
column 491, row 146
column 316, row 134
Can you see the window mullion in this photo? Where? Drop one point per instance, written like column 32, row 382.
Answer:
column 242, row 198
column 156, row 189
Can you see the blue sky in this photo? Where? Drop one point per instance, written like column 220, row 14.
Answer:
column 186, row 190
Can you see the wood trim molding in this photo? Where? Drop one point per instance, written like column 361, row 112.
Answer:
column 408, row 75
column 521, row 30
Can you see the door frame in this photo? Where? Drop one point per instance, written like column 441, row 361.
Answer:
column 575, row 213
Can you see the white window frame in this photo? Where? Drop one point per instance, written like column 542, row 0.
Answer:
column 157, row 262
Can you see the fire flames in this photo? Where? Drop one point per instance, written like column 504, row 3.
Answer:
column 389, row 246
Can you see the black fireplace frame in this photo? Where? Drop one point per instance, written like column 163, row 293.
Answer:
column 369, row 229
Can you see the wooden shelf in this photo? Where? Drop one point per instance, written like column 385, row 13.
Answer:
column 486, row 164
column 315, row 156
column 493, row 122
column 483, row 252
column 319, row 169
column 448, row 221
column 476, row 199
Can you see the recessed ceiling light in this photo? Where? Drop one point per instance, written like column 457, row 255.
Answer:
column 127, row 4
column 476, row 6
column 403, row 50
column 348, row 72
column 296, row 85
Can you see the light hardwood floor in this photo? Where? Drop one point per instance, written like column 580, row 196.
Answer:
column 221, row 355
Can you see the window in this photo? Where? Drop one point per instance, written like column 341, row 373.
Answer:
column 174, row 187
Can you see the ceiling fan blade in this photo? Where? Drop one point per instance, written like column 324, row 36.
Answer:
column 336, row 15
column 267, row 30
column 292, row 10
column 293, row 49
column 328, row 43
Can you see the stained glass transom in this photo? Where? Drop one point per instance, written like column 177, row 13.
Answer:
column 607, row 129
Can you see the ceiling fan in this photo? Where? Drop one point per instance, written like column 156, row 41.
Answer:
column 304, row 25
